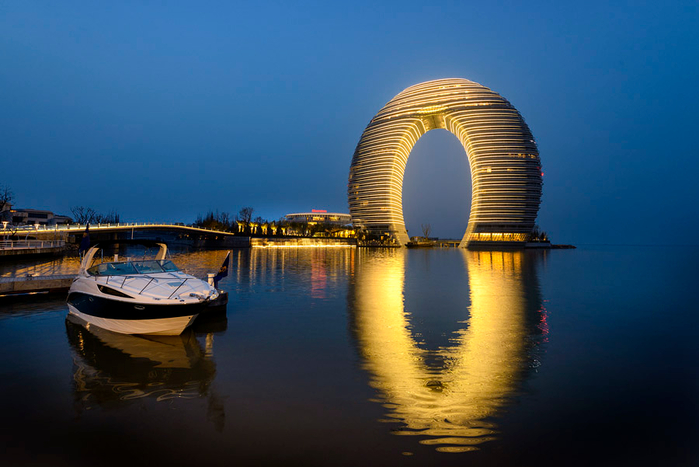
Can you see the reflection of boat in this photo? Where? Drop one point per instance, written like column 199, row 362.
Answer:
column 119, row 367
column 137, row 296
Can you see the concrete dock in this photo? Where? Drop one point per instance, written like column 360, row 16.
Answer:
column 57, row 283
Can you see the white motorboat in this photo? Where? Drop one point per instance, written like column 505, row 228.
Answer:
column 137, row 296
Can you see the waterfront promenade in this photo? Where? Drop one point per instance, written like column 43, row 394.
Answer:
column 24, row 247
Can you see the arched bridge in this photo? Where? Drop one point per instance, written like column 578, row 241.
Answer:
column 72, row 233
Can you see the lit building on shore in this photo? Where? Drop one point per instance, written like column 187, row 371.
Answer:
column 319, row 216
column 319, row 223
column 505, row 168
column 31, row 217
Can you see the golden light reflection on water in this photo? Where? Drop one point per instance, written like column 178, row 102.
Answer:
column 451, row 406
column 40, row 267
column 327, row 266
column 321, row 269
column 197, row 263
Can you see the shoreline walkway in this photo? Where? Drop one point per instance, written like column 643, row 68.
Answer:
column 34, row 284
column 31, row 247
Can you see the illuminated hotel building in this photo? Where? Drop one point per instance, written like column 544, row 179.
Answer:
column 319, row 216
column 506, row 173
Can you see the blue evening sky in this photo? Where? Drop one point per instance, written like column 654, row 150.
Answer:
column 163, row 110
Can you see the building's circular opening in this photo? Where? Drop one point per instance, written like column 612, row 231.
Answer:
column 437, row 187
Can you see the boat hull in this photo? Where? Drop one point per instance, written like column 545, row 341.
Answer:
column 133, row 317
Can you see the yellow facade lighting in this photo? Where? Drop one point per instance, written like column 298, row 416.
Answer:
column 503, row 157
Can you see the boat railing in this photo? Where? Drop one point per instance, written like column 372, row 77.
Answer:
column 138, row 276
column 146, row 286
column 178, row 288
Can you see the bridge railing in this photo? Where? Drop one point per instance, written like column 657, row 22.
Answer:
column 30, row 244
column 98, row 226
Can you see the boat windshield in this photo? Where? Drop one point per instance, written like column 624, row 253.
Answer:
column 147, row 267
column 132, row 267
column 112, row 269
column 168, row 265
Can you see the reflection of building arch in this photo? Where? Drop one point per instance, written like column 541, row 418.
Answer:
column 502, row 154
column 483, row 368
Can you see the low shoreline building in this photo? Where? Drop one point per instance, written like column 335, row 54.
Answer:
column 319, row 223
column 32, row 217
column 319, row 216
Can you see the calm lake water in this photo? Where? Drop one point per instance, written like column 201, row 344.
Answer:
column 334, row 357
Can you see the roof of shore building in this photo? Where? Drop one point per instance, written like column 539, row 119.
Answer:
column 319, row 215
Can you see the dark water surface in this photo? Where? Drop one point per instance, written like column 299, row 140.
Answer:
column 332, row 357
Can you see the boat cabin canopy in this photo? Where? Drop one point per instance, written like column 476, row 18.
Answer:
column 90, row 254
column 126, row 268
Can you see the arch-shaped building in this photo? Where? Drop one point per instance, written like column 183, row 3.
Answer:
column 503, row 157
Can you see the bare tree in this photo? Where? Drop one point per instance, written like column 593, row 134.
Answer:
column 225, row 219
column 111, row 218
column 6, row 196
column 245, row 215
column 87, row 215
column 538, row 235
column 426, row 230
column 83, row 215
